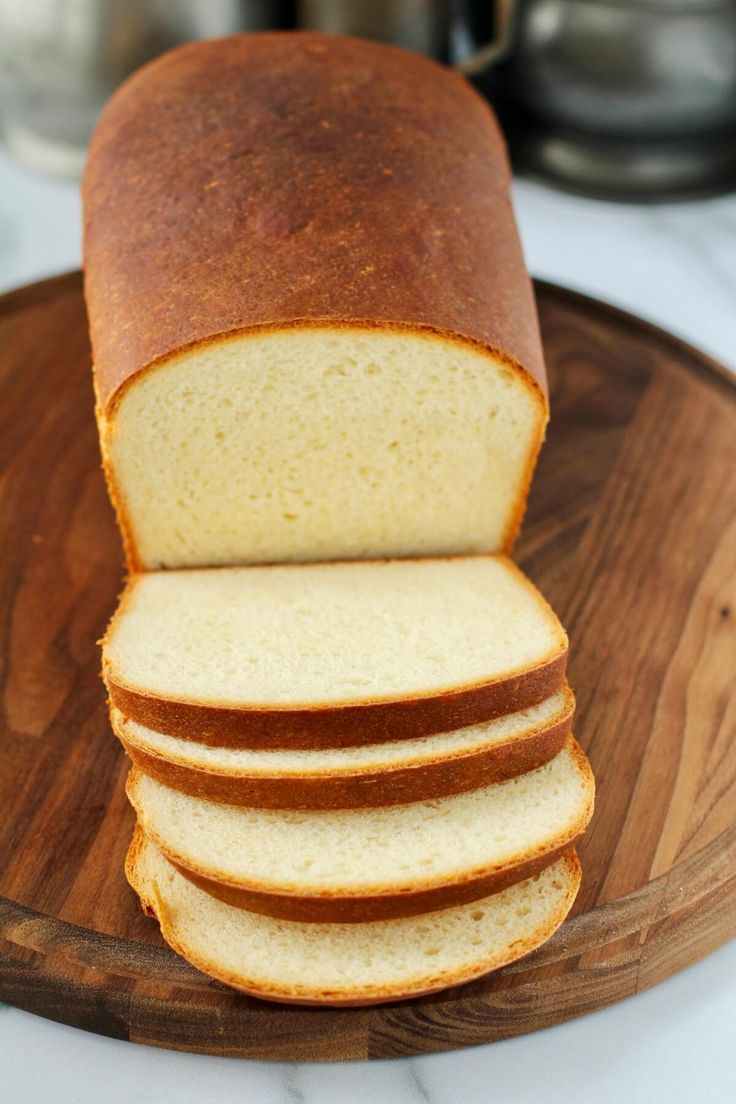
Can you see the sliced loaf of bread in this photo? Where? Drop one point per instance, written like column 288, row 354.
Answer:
column 356, row 865
column 331, row 655
column 314, row 336
column 343, row 778
column 350, row 964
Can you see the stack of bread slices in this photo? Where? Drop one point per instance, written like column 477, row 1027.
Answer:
column 354, row 773
column 353, row 781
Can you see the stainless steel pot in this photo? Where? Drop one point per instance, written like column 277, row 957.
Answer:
column 61, row 59
column 421, row 25
column 625, row 98
column 647, row 68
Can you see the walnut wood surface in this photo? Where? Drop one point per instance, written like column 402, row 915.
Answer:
column 631, row 534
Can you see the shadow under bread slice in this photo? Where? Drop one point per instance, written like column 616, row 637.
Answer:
column 355, row 865
column 350, row 964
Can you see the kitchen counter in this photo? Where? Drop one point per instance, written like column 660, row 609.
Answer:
column 676, row 266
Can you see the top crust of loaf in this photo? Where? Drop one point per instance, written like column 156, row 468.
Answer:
column 272, row 180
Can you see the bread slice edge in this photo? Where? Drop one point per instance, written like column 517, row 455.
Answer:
column 392, row 782
column 154, row 905
column 291, row 902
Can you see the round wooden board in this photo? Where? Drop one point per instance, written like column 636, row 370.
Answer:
column 630, row 534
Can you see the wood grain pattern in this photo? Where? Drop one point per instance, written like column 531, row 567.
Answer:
column 631, row 535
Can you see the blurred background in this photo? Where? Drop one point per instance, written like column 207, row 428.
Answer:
column 628, row 103
column 621, row 98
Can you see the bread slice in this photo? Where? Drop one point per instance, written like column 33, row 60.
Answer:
column 314, row 334
column 374, row 863
column 331, row 655
column 342, row 778
column 350, row 964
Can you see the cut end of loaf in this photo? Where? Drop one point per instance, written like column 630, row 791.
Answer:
column 307, row 443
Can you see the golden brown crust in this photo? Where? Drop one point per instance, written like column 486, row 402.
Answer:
column 154, row 905
column 427, row 895
column 335, row 726
column 387, row 906
column 333, row 789
column 338, row 724
column 122, row 516
column 278, row 179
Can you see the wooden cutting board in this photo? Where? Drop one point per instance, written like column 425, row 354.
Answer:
column 631, row 535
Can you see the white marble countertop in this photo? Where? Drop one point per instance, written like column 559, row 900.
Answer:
column 676, row 266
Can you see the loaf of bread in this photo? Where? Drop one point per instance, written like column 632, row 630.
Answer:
column 313, row 333
column 344, row 964
column 314, row 339
column 375, row 863
column 331, row 655
column 393, row 773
